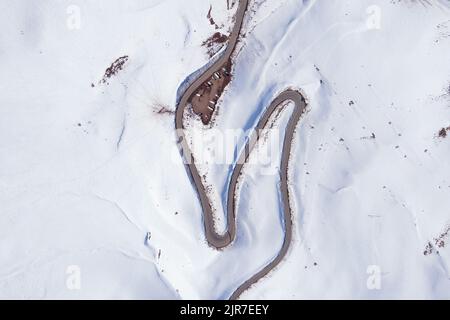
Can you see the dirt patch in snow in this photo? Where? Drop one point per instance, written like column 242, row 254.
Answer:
column 443, row 132
column 210, row 18
column 438, row 242
column 161, row 109
column 214, row 43
column 114, row 68
column 205, row 99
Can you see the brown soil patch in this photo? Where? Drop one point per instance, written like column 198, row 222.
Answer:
column 443, row 132
column 163, row 110
column 210, row 18
column 204, row 100
column 438, row 242
column 114, row 68
column 214, row 43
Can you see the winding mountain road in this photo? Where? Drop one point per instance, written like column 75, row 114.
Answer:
column 214, row 239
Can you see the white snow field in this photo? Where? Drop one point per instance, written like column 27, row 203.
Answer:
column 95, row 202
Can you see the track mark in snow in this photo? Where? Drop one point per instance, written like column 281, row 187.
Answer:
column 286, row 35
column 120, row 210
column 119, row 140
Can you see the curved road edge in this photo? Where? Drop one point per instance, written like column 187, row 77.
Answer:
column 219, row 241
column 299, row 108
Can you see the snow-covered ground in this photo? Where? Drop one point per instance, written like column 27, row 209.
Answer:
column 95, row 201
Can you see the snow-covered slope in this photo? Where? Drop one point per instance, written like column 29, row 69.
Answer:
column 92, row 185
